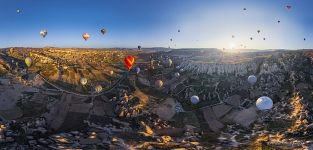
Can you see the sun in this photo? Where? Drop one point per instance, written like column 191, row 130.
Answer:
column 232, row 46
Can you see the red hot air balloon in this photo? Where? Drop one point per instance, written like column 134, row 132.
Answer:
column 129, row 61
column 86, row 36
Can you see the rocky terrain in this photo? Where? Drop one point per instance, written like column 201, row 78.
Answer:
column 45, row 107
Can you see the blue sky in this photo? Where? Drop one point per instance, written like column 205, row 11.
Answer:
column 152, row 23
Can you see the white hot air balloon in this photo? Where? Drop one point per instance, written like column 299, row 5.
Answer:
column 252, row 79
column 177, row 75
column 264, row 103
column 158, row 83
column 43, row 33
column 194, row 99
column 169, row 62
column 83, row 81
column 98, row 88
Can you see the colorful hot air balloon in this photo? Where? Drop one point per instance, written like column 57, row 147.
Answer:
column 158, row 84
column 83, row 81
column 103, row 31
column 252, row 79
column 28, row 61
column 194, row 99
column 86, row 36
column 98, row 88
column 43, row 33
column 264, row 103
column 129, row 61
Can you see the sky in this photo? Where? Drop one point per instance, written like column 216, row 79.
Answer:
column 152, row 23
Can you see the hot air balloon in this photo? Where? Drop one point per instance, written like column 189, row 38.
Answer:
column 264, row 103
column 252, row 79
column 232, row 36
column 86, row 36
column 43, row 33
column 264, row 39
column 83, row 81
column 158, row 84
column 11, row 50
column 18, row 11
column 111, row 72
column 278, row 21
column 304, row 39
column 288, row 7
column 177, row 75
column 168, row 62
column 251, row 38
column 244, row 8
column 28, row 61
column 139, row 47
column 129, row 61
column 103, row 31
column 137, row 70
column 178, row 31
column 258, row 31
column 194, row 99
column 98, row 88
column 171, row 40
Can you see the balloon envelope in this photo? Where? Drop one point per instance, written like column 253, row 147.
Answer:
column 194, row 99
column 158, row 83
column 98, row 88
column 177, row 74
column 103, row 31
column 139, row 47
column 28, row 61
column 264, row 103
column 83, row 81
column 252, row 79
column 43, row 33
column 86, row 36
column 137, row 70
column 170, row 62
column 129, row 61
